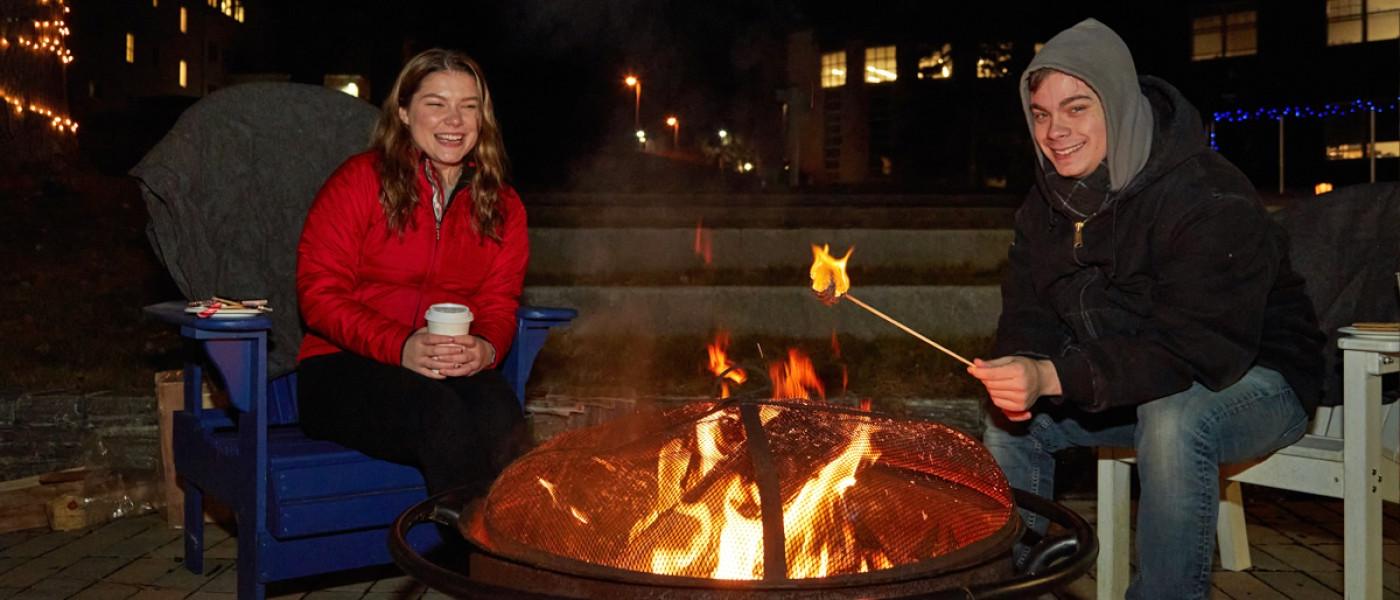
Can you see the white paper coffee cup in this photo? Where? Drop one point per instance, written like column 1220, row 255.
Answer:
column 449, row 319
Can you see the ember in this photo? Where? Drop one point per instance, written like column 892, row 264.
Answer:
column 704, row 243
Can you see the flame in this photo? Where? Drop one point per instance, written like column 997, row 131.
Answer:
column 578, row 515
column 828, row 271
column 835, row 345
column 721, row 366
column 704, row 242
column 726, row 540
column 815, row 521
column 794, row 378
column 549, row 487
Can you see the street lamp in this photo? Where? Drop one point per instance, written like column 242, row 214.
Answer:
column 633, row 82
column 675, row 125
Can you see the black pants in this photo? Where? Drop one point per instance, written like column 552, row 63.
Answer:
column 461, row 431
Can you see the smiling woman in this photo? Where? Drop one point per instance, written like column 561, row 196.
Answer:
column 443, row 117
column 422, row 218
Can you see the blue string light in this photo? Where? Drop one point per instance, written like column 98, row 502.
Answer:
column 1274, row 113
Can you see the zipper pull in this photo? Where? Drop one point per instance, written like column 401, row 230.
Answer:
column 1079, row 234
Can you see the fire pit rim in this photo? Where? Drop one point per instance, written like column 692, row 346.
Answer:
column 472, row 528
column 1058, row 574
column 980, row 552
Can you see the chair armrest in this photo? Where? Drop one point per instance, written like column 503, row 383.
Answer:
column 237, row 348
column 545, row 313
column 173, row 313
column 531, row 329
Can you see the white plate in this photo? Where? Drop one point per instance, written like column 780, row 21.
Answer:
column 1370, row 334
column 225, row 313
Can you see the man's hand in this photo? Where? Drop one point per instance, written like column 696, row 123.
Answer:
column 1016, row 382
column 443, row 356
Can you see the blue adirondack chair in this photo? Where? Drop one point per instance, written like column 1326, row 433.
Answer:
column 303, row 506
column 228, row 189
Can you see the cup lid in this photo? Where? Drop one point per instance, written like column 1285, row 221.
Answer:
column 448, row 312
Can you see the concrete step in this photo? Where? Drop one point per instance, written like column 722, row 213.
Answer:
column 938, row 312
column 876, row 211
column 557, row 253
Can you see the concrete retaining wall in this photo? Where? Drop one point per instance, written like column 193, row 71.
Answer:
column 615, row 251
column 792, row 311
column 48, row 432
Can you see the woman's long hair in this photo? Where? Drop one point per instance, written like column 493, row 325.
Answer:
column 398, row 167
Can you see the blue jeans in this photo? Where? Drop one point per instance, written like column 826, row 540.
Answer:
column 1180, row 440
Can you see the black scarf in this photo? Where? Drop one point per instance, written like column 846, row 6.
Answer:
column 1079, row 198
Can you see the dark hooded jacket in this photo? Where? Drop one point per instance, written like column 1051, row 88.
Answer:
column 1181, row 275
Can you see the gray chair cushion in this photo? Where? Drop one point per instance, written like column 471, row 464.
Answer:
column 228, row 189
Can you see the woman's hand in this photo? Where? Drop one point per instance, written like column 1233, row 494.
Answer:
column 443, row 356
column 1016, row 382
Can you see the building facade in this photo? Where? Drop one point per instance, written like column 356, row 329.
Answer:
column 925, row 98
column 138, row 49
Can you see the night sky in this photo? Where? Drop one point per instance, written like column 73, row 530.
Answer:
column 555, row 67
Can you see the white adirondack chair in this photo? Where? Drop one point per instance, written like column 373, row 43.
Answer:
column 1360, row 468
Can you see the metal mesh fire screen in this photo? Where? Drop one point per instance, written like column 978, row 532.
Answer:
column 759, row 490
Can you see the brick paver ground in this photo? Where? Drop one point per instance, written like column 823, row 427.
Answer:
column 1295, row 543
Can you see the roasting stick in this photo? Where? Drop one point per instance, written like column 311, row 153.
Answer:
column 1012, row 414
column 830, row 283
column 906, row 328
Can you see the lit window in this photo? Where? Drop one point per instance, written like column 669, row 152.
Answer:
column 994, row 60
column 1224, row 35
column 1038, row 46
column 238, row 14
column 213, row 3
column 1354, row 151
column 184, row 20
column 155, row 3
column 880, row 64
column 833, row 69
column 184, row 74
column 130, row 47
column 937, row 64
column 1356, row 21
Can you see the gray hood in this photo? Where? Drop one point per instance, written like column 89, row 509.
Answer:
column 1095, row 54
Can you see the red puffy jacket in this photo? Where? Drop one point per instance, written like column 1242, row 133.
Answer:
column 364, row 288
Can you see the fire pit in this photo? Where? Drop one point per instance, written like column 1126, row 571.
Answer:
column 752, row 498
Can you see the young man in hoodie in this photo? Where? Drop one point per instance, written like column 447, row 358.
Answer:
column 1149, row 304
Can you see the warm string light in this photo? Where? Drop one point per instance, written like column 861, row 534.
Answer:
column 49, row 37
column 56, row 121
